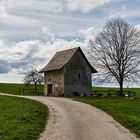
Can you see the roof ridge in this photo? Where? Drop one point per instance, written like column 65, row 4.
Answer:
column 55, row 63
column 62, row 58
column 68, row 49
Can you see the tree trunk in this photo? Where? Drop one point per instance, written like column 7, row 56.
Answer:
column 35, row 88
column 121, row 88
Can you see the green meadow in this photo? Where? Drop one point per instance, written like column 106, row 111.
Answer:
column 21, row 119
column 21, row 89
column 105, row 89
column 125, row 111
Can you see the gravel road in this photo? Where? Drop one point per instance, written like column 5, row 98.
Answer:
column 72, row 120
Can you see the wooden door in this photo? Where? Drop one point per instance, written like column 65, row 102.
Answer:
column 49, row 87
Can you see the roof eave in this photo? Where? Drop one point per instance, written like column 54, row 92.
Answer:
column 94, row 71
column 41, row 71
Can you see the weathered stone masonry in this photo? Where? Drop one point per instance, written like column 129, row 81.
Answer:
column 68, row 72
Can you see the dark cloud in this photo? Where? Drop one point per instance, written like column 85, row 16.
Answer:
column 5, row 67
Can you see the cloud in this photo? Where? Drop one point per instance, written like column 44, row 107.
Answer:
column 3, row 12
column 138, row 26
column 18, row 57
column 123, row 12
column 33, row 30
column 22, row 56
column 85, row 6
column 22, row 20
column 11, row 78
column 55, row 6
column 4, row 66
column 88, row 33
column 24, row 23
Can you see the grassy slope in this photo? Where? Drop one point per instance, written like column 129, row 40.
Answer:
column 21, row 118
column 137, row 90
column 125, row 111
column 17, row 89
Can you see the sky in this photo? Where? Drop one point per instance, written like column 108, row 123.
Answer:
column 31, row 31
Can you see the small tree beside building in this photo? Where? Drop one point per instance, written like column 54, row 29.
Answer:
column 33, row 77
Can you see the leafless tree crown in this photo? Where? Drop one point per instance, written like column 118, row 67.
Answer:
column 33, row 77
column 116, row 51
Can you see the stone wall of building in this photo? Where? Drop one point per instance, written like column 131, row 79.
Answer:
column 77, row 76
column 56, row 78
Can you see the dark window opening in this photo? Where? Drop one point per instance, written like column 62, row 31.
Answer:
column 75, row 94
column 79, row 76
column 49, row 88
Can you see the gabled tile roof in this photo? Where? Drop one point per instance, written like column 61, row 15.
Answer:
column 61, row 58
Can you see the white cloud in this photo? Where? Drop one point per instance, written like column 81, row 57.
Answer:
column 48, row 35
column 14, row 3
column 23, row 19
column 26, row 25
column 123, row 13
column 88, row 33
column 138, row 26
column 55, row 6
column 3, row 12
column 19, row 57
column 12, row 53
column 85, row 6
column 19, row 22
column 11, row 78
column 34, row 54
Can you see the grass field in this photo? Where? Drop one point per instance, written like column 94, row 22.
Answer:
column 125, row 111
column 137, row 90
column 21, row 119
column 23, row 115
column 18, row 89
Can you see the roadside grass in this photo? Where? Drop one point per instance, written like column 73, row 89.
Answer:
column 18, row 89
column 125, row 111
column 18, row 117
column 137, row 90
column 21, row 119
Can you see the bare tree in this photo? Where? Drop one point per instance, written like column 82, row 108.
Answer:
column 116, row 51
column 33, row 77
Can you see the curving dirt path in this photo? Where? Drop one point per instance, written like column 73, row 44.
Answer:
column 72, row 120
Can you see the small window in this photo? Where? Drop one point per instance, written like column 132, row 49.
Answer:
column 79, row 76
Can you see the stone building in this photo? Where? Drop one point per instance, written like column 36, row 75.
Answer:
column 68, row 73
